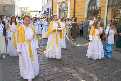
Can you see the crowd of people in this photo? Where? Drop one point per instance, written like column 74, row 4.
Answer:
column 19, row 37
column 101, row 39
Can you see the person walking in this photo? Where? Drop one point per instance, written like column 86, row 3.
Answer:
column 110, row 33
column 63, row 26
column 12, row 37
column 27, row 50
column 54, row 34
column 95, row 49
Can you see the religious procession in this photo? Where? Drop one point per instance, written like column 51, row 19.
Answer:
column 61, row 42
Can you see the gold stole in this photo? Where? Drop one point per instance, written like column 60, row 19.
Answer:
column 21, row 35
column 62, row 33
column 51, row 31
column 30, row 50
column 93, row 31
column 21, row 40
column 14, row 39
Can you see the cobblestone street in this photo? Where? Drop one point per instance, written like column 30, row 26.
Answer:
column 74, row 66
column 71, row 29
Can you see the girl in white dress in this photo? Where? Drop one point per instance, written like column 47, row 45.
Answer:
column 27, row 49
column 12, row 38
column 95, row 49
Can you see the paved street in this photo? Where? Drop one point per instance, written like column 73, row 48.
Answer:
column 74, row 66
column 78, row 20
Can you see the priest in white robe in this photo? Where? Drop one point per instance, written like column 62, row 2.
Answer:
column 54, row 35
column 63, row 40
column 27, row 49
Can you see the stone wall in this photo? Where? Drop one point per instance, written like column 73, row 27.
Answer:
column 7, row 1
column 79, row 9
column 103, row 7
column 7, row 7
column 54, row 7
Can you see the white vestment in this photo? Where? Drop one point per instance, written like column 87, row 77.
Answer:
column 29, row 66
column 53, row 49
column 63, row 40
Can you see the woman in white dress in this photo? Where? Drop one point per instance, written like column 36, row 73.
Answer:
column 27, row 48
column 12, row 38
column 95, row 49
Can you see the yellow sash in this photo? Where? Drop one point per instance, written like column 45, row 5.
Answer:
column 62, row 32
column 50, row 31
column 14, row 40
column 21, row 40
column 30, row 50
column 21, row 35
column 93, row 31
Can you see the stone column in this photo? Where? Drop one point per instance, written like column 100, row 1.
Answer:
column 58, row 4
column 106, row 13
column 69, row 8
column 86, row 8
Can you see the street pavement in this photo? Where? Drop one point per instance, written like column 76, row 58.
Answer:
column 74, row 66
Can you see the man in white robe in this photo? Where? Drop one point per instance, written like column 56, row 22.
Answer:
column 27, row 49
column 63, row 40
column 54, row 34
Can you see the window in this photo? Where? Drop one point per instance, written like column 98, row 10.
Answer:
column 5, row 8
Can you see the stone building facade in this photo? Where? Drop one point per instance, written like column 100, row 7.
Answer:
column 7, row 7
column 113, row 8
column 75, row 8
column 80, row 8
